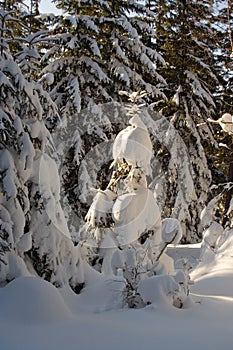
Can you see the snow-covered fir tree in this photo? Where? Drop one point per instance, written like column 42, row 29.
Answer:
column 34, row 237
column 186, row 37
column 98, row 49
column 124, row 227
column 222, row 162
column 101, row 47
column 224, row 55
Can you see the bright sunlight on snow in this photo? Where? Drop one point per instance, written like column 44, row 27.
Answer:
column 35, row 315
column 116, row 175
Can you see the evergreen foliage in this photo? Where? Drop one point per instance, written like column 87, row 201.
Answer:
column 60, row 108
column 124, row 222
column 98, row 49
column 185, row 35
column 34, row 236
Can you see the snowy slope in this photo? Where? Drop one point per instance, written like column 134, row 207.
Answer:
column 35, row 315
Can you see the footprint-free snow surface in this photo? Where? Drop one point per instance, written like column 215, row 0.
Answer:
column 34, row 315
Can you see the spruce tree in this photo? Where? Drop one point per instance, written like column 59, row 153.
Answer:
column 185, row 36
column 221, row 161
column 34, row 236
column 226, row 18
column 99, row 48
column 124, row 224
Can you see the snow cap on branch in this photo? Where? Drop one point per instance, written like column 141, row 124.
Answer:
column 226, row 122
column 133, row 145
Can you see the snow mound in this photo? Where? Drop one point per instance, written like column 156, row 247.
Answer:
column 101, row 293
column 214, row 273
column 105, row 294
column 32, row 300
column 158, row 290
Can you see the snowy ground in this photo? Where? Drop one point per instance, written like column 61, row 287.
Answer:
column 35, row 316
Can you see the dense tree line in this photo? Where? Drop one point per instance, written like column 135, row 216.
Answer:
column 56, row 67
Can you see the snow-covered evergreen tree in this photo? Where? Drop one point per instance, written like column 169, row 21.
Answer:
column 124, row 226
column 101, row 47
column 98, row 49
column 34, row 236
column 224, row 55
column 222, row 162
column 185, row 36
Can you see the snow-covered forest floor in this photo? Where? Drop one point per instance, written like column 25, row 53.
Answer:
column 35, row 315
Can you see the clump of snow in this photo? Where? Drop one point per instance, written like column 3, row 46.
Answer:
column 158, row 290
column 37, row 129
column 10, row 180
column 121, row 218
column 106, row 294
column 212, row 234
column 101, row 208
column 171, row 230
column 225, row 121
column 213, row 274
column 135, row 213
column 27, row 152
column 32, row 300
column 207, row 214
column 45, row 175
column 48, row 78
column 133, row 145
column 13, row 267
column 25, row 243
